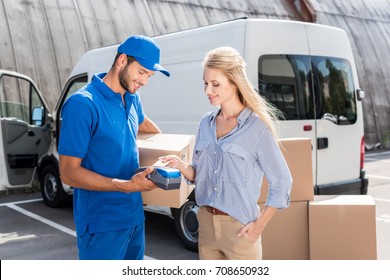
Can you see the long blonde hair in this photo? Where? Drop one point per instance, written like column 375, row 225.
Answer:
column 229, row 61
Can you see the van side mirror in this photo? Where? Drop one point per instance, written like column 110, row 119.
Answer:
column 360, row 94
column 37, row 116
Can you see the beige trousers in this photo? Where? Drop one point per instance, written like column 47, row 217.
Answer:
column 218, row 239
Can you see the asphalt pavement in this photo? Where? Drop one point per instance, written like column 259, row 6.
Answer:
column 29, row 230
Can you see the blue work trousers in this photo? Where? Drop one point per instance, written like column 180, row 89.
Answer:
column 126, row 244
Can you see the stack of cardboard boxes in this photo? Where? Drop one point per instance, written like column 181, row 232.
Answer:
column 341, row 227
column 313, row 227
column 286, row 236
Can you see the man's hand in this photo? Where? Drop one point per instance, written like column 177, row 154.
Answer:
column 141, row 182
column 73, row 174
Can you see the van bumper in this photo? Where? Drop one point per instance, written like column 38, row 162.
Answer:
column 356, row 186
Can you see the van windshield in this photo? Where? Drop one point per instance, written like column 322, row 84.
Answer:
column 309, row 87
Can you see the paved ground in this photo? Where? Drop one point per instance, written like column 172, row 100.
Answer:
column 30, row 230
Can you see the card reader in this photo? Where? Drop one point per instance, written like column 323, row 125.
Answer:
column 166, row 178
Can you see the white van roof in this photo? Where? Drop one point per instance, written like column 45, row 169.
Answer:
column 105, row 55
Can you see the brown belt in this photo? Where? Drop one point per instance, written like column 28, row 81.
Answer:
column 215, row 211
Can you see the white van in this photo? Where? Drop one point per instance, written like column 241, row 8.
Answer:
column 306, row 70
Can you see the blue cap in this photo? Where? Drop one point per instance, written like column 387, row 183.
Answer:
column 145, row 51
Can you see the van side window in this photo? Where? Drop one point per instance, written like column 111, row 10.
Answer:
column 334, row 90
column 71, row 87
column 305, row 87
column 75, row 85
column 16, row 96
column 284, row 80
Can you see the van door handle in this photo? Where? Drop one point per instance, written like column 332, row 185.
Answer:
column 322, row 143
column 30, row 133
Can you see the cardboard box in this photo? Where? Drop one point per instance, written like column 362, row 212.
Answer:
column 151, row 147
column 297, row 153
column 286, row 236
column 342, row 228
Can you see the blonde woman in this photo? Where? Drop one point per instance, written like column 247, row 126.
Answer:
column 235, row 146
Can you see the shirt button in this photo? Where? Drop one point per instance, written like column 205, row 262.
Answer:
column 215, row 172
column 215, row 189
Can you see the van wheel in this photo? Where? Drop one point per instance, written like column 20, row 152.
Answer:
column 186, row 224
column 51, row 188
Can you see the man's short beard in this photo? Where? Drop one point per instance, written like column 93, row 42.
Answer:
column 122, row 76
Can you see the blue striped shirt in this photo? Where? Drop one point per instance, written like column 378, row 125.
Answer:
column 230, row 170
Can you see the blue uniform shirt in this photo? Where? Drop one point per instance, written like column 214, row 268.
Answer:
column 229, row 170
column 100, row 129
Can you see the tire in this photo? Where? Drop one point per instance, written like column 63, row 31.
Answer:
column 186, row 224
column 51, row 188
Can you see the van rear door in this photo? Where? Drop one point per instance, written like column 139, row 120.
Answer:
column 278, row 62
column 338, row 117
